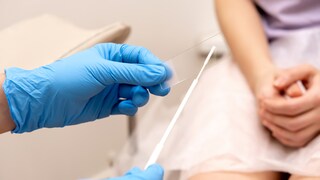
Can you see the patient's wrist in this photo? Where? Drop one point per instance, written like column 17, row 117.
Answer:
column 261, row 77
column 6, row 122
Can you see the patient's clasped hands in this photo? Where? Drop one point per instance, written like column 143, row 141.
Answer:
column 292, row 117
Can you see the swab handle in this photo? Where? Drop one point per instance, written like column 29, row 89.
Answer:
column 154, row 156
column 156, row 152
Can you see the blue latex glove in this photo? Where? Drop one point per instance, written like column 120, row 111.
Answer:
column 104, row 80
column 153, row 172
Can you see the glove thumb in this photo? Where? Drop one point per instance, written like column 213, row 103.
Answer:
column 129, row 73
column 155, row 172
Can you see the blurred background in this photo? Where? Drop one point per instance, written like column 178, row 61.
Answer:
column 165, row 27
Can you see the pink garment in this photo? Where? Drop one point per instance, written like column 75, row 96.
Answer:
column 282, row 16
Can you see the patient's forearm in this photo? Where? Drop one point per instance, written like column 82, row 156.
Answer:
column 242, row 28
column 6, row 122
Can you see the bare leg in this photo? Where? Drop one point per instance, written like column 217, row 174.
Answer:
column 295, row 177
column 237, row 176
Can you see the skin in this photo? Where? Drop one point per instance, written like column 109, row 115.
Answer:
column 6, row 122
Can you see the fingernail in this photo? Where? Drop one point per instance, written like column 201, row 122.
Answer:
column 279, row 81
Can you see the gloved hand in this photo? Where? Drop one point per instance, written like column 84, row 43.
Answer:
column 104, row 80
column 154, row 172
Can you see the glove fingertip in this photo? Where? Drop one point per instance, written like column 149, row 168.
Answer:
column 156, row 170
column 140, row 96
column 126, row 108
column 169, row 72
column 159, row 90
column 154, row 74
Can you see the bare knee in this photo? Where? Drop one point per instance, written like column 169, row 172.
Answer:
column 296, row 177
column 236, row 175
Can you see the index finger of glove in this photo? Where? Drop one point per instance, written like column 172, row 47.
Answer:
column 137, row 54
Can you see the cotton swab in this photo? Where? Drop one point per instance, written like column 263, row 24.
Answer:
column 156, row 152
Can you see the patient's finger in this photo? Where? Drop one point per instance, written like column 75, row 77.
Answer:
column 292, row 124
column 291, row 75
column 297, row 139
column 282, row 133
column 291, row 107
column 293, row 91
column 286, row 142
